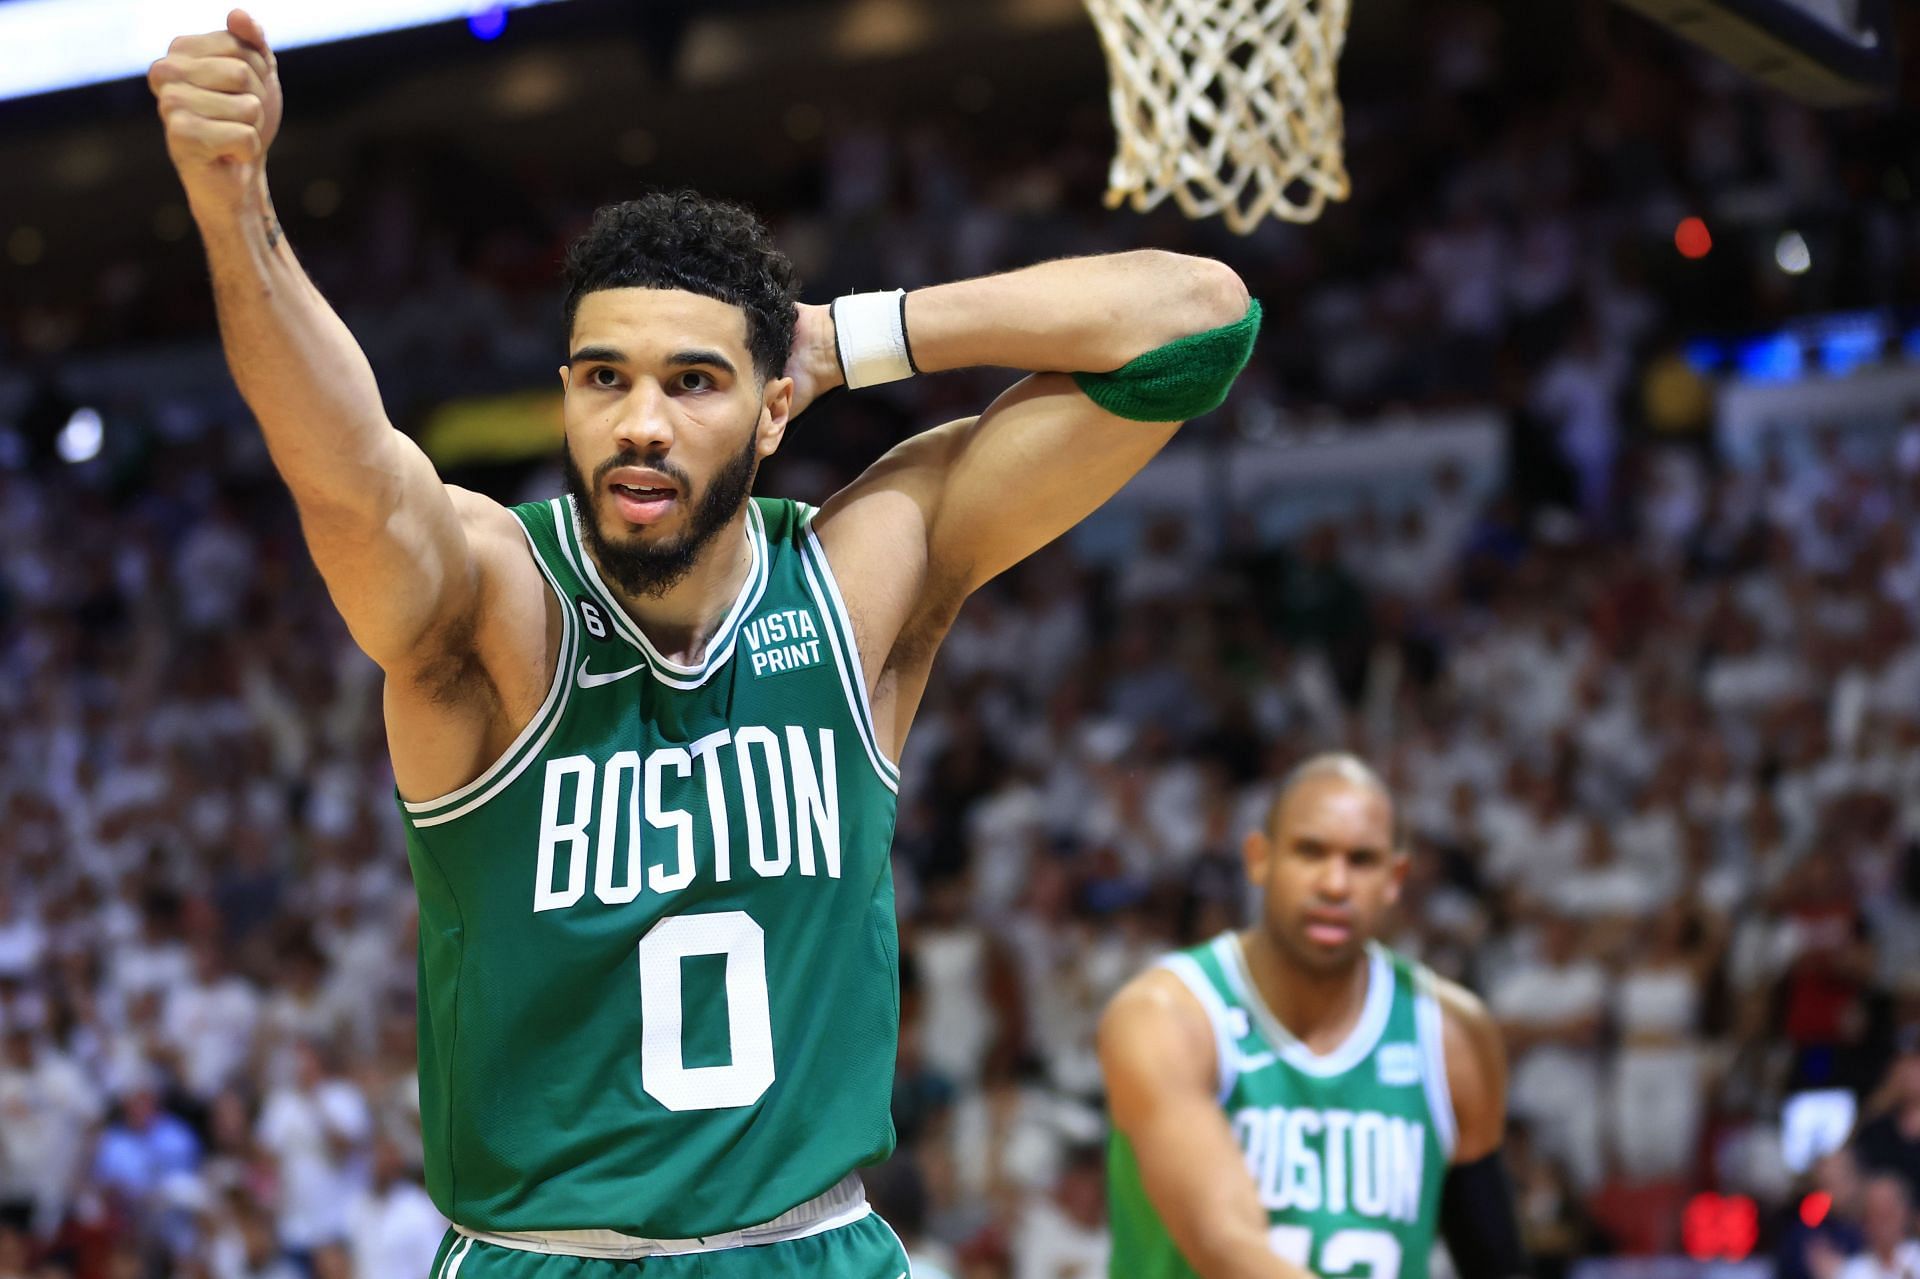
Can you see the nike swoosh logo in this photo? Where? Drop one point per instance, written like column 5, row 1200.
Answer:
column 587, row 679
column 1255, row 1061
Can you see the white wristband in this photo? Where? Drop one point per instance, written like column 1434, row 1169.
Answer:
column 870, row 333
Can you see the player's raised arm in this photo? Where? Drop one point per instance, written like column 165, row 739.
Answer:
column 1157, row 1052
column 382, row 529
column 1126, row 346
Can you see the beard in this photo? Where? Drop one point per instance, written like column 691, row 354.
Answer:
column 650, row 570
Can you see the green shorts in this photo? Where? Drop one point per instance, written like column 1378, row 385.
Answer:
column 863, row 1249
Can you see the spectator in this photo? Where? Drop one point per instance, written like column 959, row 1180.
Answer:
column 1889, row 1140
column 316, row 1126
column 1659, row 1076
column 1695, row 701
column 209, row 1022
column 1823, row 1227
column 1064, row 1235
column 898, row 1193
column 1891, row 1250
column 143, row 1147
column 1553, row 1223
column 1832, row 962
column 395, row 1230
column 1550, row 1008
column 245, row 1247
column 47, row 1110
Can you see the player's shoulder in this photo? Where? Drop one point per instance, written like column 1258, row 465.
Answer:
column 1476, row 1064
column 482, row 516
column 873, row 533
column 511, row 599
column 1154, row 992
column 1155, row 1028
column 1464, row 1015
column 1468, row 1028
column 1461, row 1011
column 784, row 520
column 495, row 531
column 1469, row 1033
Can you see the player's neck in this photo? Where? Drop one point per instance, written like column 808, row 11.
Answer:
column 1320, row 1009
column 682, row 620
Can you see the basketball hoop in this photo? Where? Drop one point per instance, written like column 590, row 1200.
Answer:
column 1229, row 106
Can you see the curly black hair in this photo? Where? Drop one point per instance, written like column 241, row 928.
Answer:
column 684, row 240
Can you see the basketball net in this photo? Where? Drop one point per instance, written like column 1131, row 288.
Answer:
column 1229, row 106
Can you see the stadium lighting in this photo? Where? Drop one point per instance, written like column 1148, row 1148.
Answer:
column 489, row 22
column 1692, row 238
column 1791, row 254
column 80, row 439
column 63, row 44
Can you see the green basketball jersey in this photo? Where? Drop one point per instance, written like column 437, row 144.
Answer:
column 1347, row 1149
column 658, row 965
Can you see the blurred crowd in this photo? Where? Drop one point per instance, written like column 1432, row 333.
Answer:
column 1653, row 718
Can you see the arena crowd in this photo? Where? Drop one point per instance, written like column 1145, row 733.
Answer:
column 1653, row 716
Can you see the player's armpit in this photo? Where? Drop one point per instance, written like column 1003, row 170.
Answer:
column 476, row 674
column 1476, row 1071
column 1156, row 1050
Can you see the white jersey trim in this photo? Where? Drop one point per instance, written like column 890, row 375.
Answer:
column 849, row 681
column 1226, row 1051
column 720, row 647
column 853, row 675
column 1431, row 1026
column 845, row 619
column 842, row 1205
column 556, row 702
column 1360, row 1041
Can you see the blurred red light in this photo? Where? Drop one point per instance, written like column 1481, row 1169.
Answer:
column 1720, row 1227
column 1815, row 1207
column 1692, row 238
column 1740, row 1228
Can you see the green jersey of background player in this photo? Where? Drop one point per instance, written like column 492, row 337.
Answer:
column 644, row 733
column 1296, row 1100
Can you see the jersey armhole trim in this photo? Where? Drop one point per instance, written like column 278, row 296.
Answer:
column 532, row 739
column 1226, row 1054
column 849, row 683
column 1430, row 1024
column 833, row 607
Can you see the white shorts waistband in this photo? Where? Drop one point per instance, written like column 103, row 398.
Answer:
column 842, row 1205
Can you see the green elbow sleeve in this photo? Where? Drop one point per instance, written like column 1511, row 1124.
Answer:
column 1181, row 380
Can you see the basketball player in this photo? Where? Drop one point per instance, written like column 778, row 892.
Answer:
column 1294, row 1099
column 644, row 734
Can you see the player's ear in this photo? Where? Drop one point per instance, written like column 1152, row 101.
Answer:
column 776, row 410
column 1397, row 869
column 1257, row 850
column 564, row 371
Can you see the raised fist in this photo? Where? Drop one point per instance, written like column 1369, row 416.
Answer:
column 219, row 97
